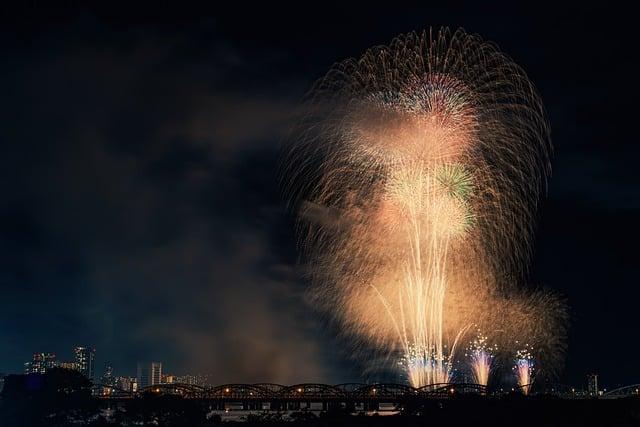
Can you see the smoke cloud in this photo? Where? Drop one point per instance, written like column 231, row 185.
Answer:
column 152, row 201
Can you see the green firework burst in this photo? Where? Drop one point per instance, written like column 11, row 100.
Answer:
column 456, row 180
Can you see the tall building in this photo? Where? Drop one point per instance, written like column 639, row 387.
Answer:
column 126, row 383
column 168, row 379
column 149, row 374
column 85, row 360
column 68, row 365
column 40, row 363
column 107, row 376
column 592, row 384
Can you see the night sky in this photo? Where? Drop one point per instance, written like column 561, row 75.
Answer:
column 140, row 212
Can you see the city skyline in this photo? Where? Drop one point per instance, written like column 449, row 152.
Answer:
column 591, row 383
column 40, row 362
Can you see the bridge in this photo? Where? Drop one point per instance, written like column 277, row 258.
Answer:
column 268, row 396
column 622, row 392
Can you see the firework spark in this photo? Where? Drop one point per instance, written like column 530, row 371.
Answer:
column 524, row 369
column 481, row 354
column 416, row 173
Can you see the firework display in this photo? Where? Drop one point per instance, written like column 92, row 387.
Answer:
column 523, row 369
column 416, row 174
column 480, row 354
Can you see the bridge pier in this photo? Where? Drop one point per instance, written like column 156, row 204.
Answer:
column 372, row 405
column 350, row 406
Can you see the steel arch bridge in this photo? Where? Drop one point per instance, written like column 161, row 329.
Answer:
column 346, row 392
column 298, row 392
column 189, row 391
column 621, row 392
column 445, row 390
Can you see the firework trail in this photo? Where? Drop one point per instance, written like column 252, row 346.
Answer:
column 524, row 369
column 415, row 174
column 481, row 354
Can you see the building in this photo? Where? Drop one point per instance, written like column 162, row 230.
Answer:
column 129, row 384
column 2, row 375
column 107, row 376
column 85, row 361
column 168, row 379
column 40, row 363
column 149, row 374
column 592, row 384
column 198, row 379
column 68, row 365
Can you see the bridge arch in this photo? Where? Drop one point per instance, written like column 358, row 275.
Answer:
column 625, row 391
column 271, row 389
column 430, row 388
column 350, row 388
column 185, row 390
column 386, row 390
column 322, row 391
column 239, row 391
column 448, row 389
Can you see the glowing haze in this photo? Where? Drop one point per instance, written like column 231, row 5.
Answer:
column 416, row 173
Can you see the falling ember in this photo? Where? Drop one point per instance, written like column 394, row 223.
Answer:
column 415, row 173
column 424, row 366
column 524, row 369
column 481, row 355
